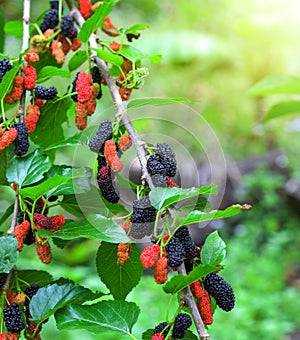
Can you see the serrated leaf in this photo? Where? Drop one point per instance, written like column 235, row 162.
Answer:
column 276, row 84
column 283, row 109
column 43, row 188
column 41, row 277
column 7, row 213
column 178, row 282
column 51, row 298
column 52, row 71
column 94, row 227
column 120, row 280
column 109, row 57
column 77, row 60
column 163, row 197
column 49, row 129
column 95, row 21
column 8, row 253
column 141, row 102
column 102, row 317
column 7, row 81
column 200, row 216
column 214, row 249
column 29, row 169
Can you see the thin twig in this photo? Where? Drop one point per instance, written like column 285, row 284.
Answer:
column 187, row 297
column 26, row 21
column 11, row 230
column 117, row 100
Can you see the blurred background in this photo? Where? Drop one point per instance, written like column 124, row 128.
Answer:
column 213, row 51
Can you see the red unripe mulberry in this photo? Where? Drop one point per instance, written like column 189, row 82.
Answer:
column 31, row 57
column 57, row 51
column 125, row 142
column 161, row 270
column 20, row 232
column 204, row 307
column 43, row 250
column 111, row 155
column 123, row 253
column 149, row 255
column 7, row 138
column 125, row 93
column 31, row 121
column 30, row 77
column 157, row 336
column 108, row 27
column 85, row 8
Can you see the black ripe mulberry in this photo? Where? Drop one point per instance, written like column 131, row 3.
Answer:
column 42, row 92
column 175, row 252
column 188, row 245
column 50, row 20
column 157, row 171
column 32, row 290
column 181, row 324
column 105, row 183
column 5, row 66
column 220, row 290
column 21, row 143
column 54, row 5
column 103, row 134
column 167, row 158
column 13, row 318
column 97, row 79
column 67, row 26
column 29, row 238
column 162, row 328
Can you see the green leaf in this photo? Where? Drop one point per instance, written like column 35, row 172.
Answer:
column 102, row 317
column 7, row 81
column 200, row 216
column 214, row 249
column 8, row 253
column 135, row 28
column 29, row 169
column 79, row 180
column 2, row 34
column 72, row 141
column 51, row 298
column 283, row 109
column 51, row 71
column 7, row 213
column 77, row 60
column 41, row 277
column 94, row 227
column 136, row 103
column 163, row 197
column 120, row 280
column 133, row 54
column 41, row 189
column 95, row 21
column 276, row 84
column 4, row 161
column 178, row 282
column 109, row 57
column 49, row 130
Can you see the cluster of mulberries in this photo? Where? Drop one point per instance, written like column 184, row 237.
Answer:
column 5, row 66
column 162, row 165
column 142, row 218
column 7, row 138
column 181, row 324
column 111, row 156
column 32, row 117
column 13, row 318
column 103, row 134
column 220, row 290
column 30, row 77
column 85, row 8
column 123, row 253
column 16, row 93
column 67, row 26
column 42, row 92
column 86, row 99
column 21, row 143
column 52, row 223
column 106, row 186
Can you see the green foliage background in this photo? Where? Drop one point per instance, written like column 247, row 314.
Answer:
column 213, row 51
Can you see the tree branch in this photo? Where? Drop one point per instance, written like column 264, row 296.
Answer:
column 117, row 100
column 187, row 298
